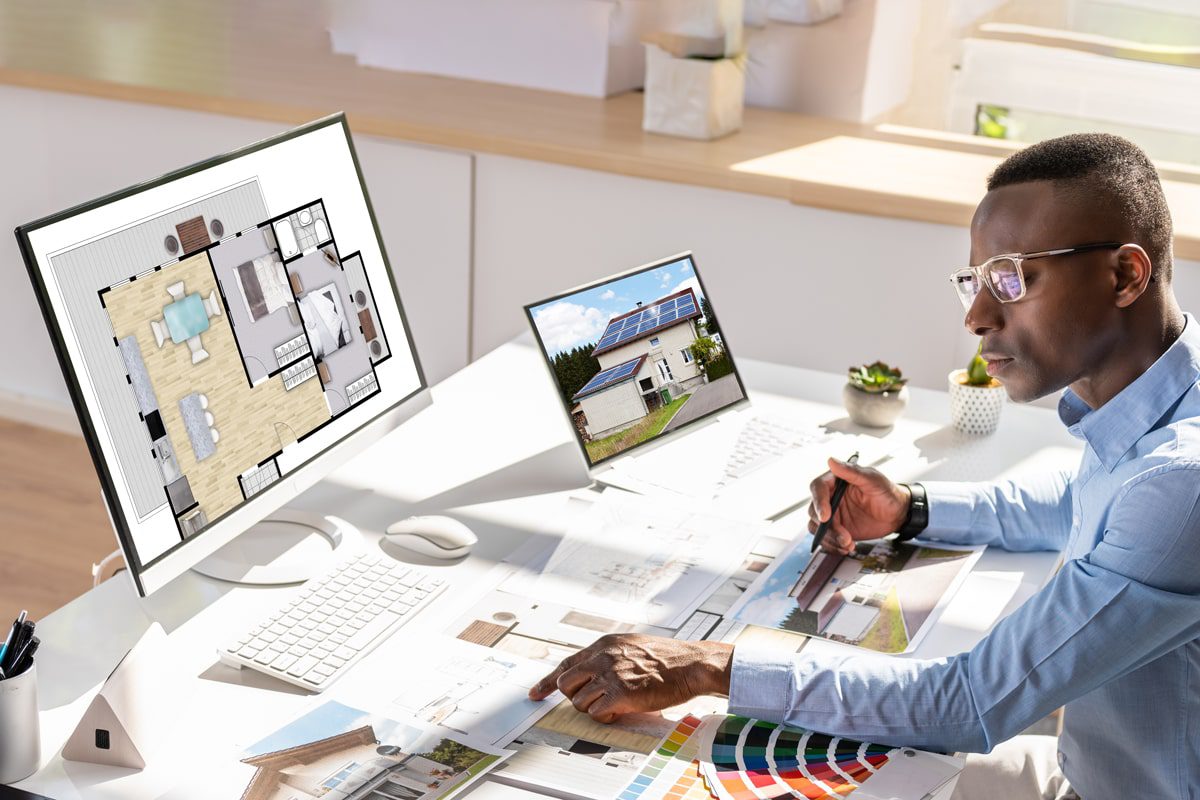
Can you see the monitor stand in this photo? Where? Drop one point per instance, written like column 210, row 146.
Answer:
column 290, row 546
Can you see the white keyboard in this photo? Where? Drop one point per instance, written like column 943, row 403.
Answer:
column 335, row 620
column 766, row 438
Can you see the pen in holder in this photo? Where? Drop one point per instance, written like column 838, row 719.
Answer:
column 21, row 742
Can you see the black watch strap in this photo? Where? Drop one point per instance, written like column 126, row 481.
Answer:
column 918, row 513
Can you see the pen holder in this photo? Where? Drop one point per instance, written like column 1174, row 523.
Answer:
column 21, row 742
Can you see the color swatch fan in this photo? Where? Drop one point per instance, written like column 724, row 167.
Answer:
column 735, row 758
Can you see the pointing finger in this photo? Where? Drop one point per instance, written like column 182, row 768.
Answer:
column 548, row 685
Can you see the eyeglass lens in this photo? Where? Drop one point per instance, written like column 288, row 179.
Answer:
column 1005, row 277
column 1003, row 274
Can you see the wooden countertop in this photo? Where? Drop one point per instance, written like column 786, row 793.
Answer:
column 271, row 60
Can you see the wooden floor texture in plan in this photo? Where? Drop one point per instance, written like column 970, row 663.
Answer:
column 253, row 423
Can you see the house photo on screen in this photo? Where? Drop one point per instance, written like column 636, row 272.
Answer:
column 636, row 356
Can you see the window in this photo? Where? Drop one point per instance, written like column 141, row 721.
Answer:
column 654, row 341
column 337, row 778
column 687, row 355
column 664, row 369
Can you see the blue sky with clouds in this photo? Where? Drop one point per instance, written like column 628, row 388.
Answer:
column 580, row 318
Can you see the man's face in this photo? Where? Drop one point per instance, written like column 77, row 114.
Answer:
column 1063, row 326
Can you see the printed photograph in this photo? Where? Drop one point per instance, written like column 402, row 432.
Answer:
column 881, row 597
column 636, row 357
column 336, row 751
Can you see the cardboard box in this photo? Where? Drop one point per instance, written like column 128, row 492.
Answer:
column 854, row 67
column 695, row 98
column 584, row 47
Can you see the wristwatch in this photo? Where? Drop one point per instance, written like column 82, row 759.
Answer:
column 918, row 513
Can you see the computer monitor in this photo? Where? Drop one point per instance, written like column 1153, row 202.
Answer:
column 636, row 357
column 229, row 333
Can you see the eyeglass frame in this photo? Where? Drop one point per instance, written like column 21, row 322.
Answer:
column 1018, row 258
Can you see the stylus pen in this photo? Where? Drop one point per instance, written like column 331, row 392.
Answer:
column 839, row 489
column 25, row 659
column 12, row 635
column 18, row 644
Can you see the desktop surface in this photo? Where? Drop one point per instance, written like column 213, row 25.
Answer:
column 510, row 493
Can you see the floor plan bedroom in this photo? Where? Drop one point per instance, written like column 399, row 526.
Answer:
column 300, row 311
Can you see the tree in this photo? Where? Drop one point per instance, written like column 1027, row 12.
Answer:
column 574, row 368
column 710, row 319
column 705, row 350
column 454, row 755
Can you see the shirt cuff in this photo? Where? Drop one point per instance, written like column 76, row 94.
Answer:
column 951, row 507
column 762, row 682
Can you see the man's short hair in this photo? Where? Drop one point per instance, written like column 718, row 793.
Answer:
column 1107, row 169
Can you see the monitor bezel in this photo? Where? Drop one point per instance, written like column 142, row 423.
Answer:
column 271, row 498
column 661, row 439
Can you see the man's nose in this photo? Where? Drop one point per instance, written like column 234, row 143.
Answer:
column 985, row 314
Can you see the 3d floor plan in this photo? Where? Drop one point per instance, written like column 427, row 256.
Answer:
column 241, row 346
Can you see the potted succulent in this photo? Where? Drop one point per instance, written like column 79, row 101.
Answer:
column 975, row 397
column 875, row 394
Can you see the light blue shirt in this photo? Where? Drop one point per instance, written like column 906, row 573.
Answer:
column 1114, row 636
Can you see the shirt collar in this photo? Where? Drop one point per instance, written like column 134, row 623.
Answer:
column 1117, row 425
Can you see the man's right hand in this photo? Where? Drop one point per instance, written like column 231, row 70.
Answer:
column 872, row 506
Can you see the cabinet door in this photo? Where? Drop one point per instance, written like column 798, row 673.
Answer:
column 422, row 199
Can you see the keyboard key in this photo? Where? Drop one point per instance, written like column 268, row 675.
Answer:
column 302, row 666
column 377, row 626
column 283, row 662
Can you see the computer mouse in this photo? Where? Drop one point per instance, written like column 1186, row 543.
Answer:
column 436, row 537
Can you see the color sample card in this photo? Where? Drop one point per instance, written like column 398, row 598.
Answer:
column 752, row 759
column 671, row 772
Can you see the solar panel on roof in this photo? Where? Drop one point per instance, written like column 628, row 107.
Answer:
column 610, row 375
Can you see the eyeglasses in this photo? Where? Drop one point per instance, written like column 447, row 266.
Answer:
column 1003, row 276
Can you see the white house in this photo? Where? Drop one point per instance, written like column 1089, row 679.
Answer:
column 641, row 352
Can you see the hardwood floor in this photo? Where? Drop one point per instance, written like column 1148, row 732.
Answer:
column 53, row 525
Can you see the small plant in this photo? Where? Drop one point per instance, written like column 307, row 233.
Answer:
column 977, row 370
column 876, row 378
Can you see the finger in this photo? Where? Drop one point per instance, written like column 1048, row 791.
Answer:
column 821, row 490
column 605, row 710
column 548, row 685
column 590, row 693
column 574, row 679
column 851, row 473
column 843, row 539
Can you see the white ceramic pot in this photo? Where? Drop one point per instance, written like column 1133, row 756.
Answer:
column 874, row 409
column 975, row 409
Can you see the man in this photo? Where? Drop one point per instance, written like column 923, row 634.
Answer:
column 1086, row 303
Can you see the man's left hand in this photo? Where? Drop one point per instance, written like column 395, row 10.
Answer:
column 630, row 672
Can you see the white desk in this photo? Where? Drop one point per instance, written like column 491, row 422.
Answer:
column 501, row 460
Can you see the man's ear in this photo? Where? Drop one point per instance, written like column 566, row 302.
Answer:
column 1133, row 272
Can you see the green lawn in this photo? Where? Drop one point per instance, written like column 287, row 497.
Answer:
column 887, row 634
column 650, row 426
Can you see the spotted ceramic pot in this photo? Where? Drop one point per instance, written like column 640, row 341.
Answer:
column 975, row 410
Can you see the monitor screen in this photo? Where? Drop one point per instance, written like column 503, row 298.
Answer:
column 637, row 356
column 222, row 328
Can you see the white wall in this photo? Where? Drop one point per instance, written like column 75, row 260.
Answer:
column 792, row 284
column 788, row 283
column 62, row 149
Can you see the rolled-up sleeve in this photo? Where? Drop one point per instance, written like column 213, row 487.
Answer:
column 1085, row 628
